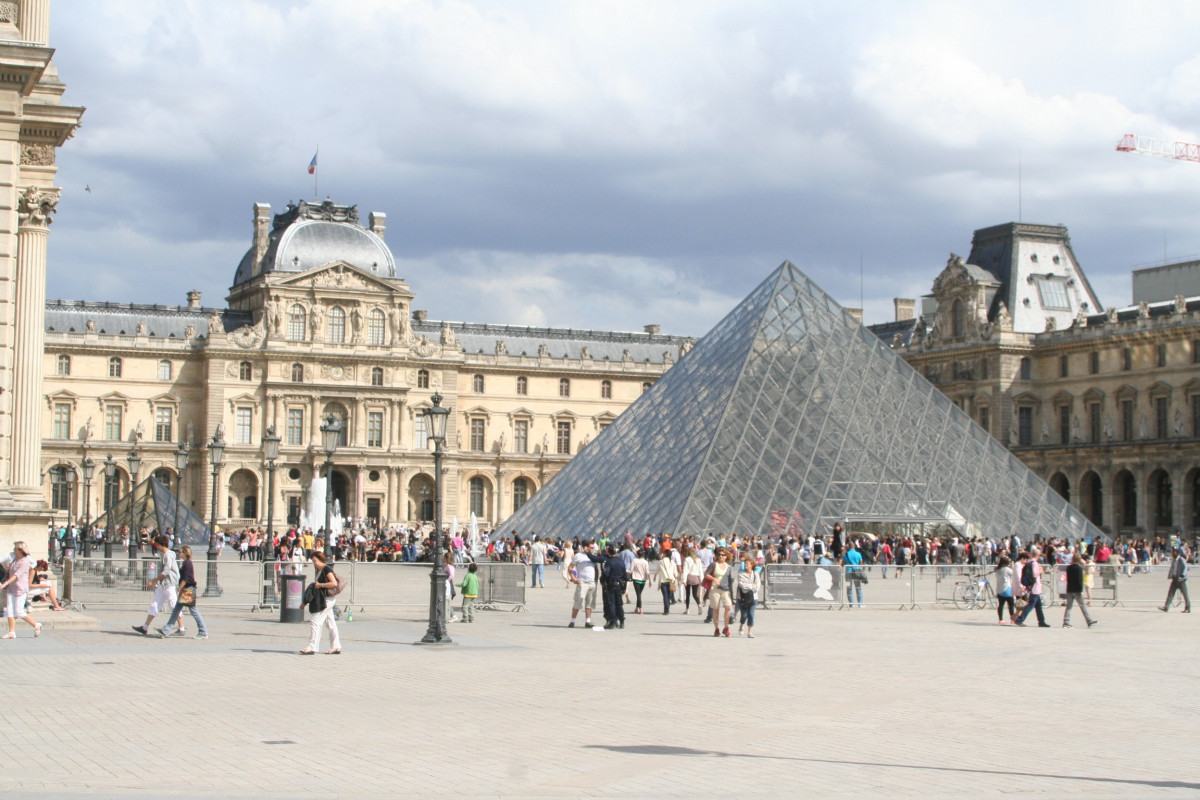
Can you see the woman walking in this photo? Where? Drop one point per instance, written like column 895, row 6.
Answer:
column 1004, row 589
column 693, row 573
column 185, row 599
column 666, row 574
column 749, row 586
column 639, row 573
column 720, row 593
column 321, row 608
column 16, row 588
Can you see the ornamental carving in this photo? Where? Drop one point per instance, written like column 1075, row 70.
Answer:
column 8, row 13
column 90, row 326
column 448, row 337
column 35, row 207
column 248, row 337
column 501, row 347
column 424, row 348
column 37, row 155
column 340, row 278
column 337, row 372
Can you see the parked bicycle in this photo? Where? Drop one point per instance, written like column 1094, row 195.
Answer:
column 975, row 593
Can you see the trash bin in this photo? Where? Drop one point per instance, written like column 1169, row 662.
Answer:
column 291, row 609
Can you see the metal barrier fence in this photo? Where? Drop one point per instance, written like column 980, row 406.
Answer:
column 97, row 582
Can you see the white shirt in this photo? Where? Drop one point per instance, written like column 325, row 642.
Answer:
column 585, row 570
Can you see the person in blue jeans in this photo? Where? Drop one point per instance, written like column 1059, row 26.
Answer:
column 1031, row 581
column 852, row 560
column 187, row 579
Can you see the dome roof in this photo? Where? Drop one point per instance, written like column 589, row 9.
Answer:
column 307, row 236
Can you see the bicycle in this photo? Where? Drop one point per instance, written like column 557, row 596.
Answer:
column 975, row 593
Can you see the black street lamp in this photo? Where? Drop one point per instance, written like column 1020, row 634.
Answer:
column 270, row 444
column 135, row 538
column 181, row 459
column 216, row 453
column 62, row 480
column 110, row 475
column 437, row 634
column 89, row 469
column 331, row 435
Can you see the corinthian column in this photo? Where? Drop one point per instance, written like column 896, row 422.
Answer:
column 34, row 207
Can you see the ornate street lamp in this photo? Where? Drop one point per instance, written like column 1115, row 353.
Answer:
column 63, row 481
column 331, row 435
column 216, row 454
column 181, row 459
column 135, row 537
column 110, row 475
column 270, row 444
column 437, row 416
column 89, row 469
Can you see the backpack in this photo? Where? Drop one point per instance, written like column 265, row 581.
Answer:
column 1028, row 578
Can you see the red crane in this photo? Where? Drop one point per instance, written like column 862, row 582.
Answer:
column 1180, row 151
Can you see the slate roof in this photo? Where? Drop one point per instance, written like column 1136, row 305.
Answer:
column 122, row 318
column 476, row 338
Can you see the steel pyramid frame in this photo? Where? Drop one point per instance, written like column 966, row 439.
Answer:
column 790, row 415
column 155, row 507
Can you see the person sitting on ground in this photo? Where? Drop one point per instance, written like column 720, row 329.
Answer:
column 42, row 586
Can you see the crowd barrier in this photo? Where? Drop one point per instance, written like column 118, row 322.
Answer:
column 117, row 583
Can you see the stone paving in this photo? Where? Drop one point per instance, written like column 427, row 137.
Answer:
column 869, row 703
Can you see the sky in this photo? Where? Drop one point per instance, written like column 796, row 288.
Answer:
column 608, row 164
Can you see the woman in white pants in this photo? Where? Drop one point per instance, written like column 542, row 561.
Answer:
column 321, row 609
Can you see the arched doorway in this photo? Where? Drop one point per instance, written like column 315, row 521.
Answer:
column 1125, row 499
column 1191, row 498
column 1159, row 497
column 420, row 498
column 243, row 495
column 340, row 485
column 1091, row 498
column 1060, row 484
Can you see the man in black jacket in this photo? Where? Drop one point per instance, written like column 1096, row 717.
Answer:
column 613, row 577
column 1178, row 576
column 1075, row 592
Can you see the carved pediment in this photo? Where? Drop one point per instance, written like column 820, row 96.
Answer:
column 337, row 275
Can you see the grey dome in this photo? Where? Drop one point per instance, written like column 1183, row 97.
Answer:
column 300, row 242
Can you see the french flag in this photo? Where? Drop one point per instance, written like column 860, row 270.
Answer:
column 312, row 165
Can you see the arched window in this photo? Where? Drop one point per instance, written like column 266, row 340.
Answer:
column 297, row 323
column 112, row 490
column 957, row 320
column 422, row 379
column 338, row 410
column 245, row 371
column 64, row 365
column 164, row 370
column 377, row 376
column 297, row 373
column 477, row 496
column 114, row 367
column 62, row 482
column 522, row 385
column 336, row 333
column 477, row 384
column 606, row 390
column 564, row 387
column 375, row 327
column 520, row 493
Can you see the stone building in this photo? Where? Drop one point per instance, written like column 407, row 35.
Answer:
column 317, row 323
column 35, row 124
column 1104, row 404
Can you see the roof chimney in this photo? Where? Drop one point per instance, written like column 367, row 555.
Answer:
column 193, row 299
column 651, row 329
column 855, row 312
column 420, row 314
column 378, row 223
column 906, row 308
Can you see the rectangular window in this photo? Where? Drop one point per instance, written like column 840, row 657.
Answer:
column 1025, row 425
column 1026, row 369
column 521, row 436
column 564, row 438
column 374, row 429
column 242, row 423
column 112, row 423
column 1127, row 359
column 1064, row 366
column 1196, row 415
column 984, row 369
column 1161, row 355
column 1196, row 351
column 62, row 420
column 295, row 426
column 420, row 434
column 1053, row 293
column 1127, row 420
column 477, row 435
column 1094, row 422
column 1161, row 411
column 164, row 370
column 1064, row 424
column 163, row 419
column 1095, row 362
column 985, row 418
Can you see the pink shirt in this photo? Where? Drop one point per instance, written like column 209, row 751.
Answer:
column 20, row 568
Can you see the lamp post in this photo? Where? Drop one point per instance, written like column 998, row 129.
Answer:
column 331, row 434
column 436, row 634
column 89, row 469
column 181, row 459
column 216, row 453
column 63, row 481
column 110, row 475
column 270, row 444
column 135, row 538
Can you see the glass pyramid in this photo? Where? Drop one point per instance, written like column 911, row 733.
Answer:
column 788, row 416
column 154, row 508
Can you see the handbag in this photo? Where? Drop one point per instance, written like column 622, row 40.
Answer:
column 693, row 580
column 707, row 582
column 187, row 596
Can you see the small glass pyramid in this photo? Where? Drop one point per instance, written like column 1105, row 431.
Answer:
column 155, row 507
column 788, row 416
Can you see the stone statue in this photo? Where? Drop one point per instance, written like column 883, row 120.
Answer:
column 1143, row 310
column 1111, row 314
column 448, row 337
column 275, row 315
column 189, row 332
column 1012, row 435
column 1003, row 318
column 1178, row 427
column 140, row 330
column 397, row 326
column 214, row 324
column 219, row 435
column 1143, row 428
column 1180, row 304
column 543, row 350
column 318, row 323
column 139, row 431
column 356, row 323
column 90, row 326
column 1075, row 423
column 503, row 441
column 1045, row 432
column 501, row 347
column 546, row 443
column 626, row 355
column 89, row 430
column 1108, row 428
column 585, row 352
column 191, row 432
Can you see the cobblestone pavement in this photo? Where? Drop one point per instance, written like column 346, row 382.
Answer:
column 869, row 703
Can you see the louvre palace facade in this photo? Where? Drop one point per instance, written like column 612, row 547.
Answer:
column 1102, row 403
column 317, row 323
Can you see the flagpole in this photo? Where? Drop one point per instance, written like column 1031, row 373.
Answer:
column 316, row 175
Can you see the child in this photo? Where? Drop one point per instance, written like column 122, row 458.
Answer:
column 470, row 590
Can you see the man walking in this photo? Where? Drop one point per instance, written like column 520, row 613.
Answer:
column 164, row 586
column 583, row 575
column 1075, row 592
column 1178, row 577
column 1031, row 580
column 537, row 564
column 614, row 576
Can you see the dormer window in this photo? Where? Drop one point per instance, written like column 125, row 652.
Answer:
column 1053, row 293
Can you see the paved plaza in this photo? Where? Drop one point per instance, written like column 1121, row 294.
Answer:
column 877, row 702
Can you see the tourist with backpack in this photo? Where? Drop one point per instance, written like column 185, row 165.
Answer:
column 1031, row 582
column 320, row 605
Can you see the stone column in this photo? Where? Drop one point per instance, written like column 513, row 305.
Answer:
column 33, row 20
column 314, row 435
column 360, row 487
column 34, row 207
